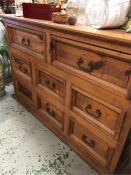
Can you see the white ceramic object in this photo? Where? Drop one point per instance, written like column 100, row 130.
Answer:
column 77, row 8
column 107, row 13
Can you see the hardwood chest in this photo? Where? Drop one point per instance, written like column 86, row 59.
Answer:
column 77, row 81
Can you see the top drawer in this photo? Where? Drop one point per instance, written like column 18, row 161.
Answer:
column 90, row 60
column 32, row 42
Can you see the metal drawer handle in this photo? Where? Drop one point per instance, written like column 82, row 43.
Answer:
column 23, row 69
column 53, row 45
column 26, row 42
column 90, row 143
column 98, row 112
column 50, row 85
column 49, row 111
column 128, row 72
column 91, row 65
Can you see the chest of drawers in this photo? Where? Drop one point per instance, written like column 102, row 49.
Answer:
column 77, row 81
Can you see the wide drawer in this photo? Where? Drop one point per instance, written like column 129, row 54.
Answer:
column 90, row 144
column 22, row 67
column 91, row 60
column 51, row 113
column 29, row 41
column 53, row 84
column 102, row 114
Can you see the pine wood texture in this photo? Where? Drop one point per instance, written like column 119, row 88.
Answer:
column 77, row 81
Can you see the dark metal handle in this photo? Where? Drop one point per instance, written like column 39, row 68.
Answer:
column 98, row 112
column 128, row 72
column 52, row 45
column 49, row 111
column 50, row 85
column 90, row 143
column 25, row 42
column 91, row 65
column 23, row 69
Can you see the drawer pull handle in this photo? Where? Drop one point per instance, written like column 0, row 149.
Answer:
column 91, row 65
column 88, row 107
column 23, row 69
column 49, row 111
column 91, row 143
column 50, row 85
column 52, row 46
column 25, row 42
column 98, row 112
column 128, row 72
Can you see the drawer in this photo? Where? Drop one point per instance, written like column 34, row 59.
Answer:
column 22, row 67
column 90, row 144
column 29, row 41
column 91, row 60
column 23, row 91
column 50, row 113
column 51, row 83
column 102, row 114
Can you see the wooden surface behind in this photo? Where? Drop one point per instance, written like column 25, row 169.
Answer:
column 111, row 34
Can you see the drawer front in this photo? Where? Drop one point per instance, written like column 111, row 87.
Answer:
column 31, row 41
column 98, row 111
column 51, row 113
column 90, row 143
column 23, row 91
column 22, row 66
column 91, row 62
column 52, row 83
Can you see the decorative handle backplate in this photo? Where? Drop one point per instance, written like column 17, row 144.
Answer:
column 26, row 42
column 50, row 85
column 91, row 65
column 49, row 111
column 97, row 115
column 90, row 143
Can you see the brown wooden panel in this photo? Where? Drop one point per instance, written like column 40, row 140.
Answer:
column 52, row 113
column 91, row 62
column 23, row 92
column 26, row 92
column 101, row 151
column 52, row 83
column 22, row 66
column 29, row 41
column 98, row 111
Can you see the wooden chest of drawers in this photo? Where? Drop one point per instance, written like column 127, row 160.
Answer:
column 77, row 81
